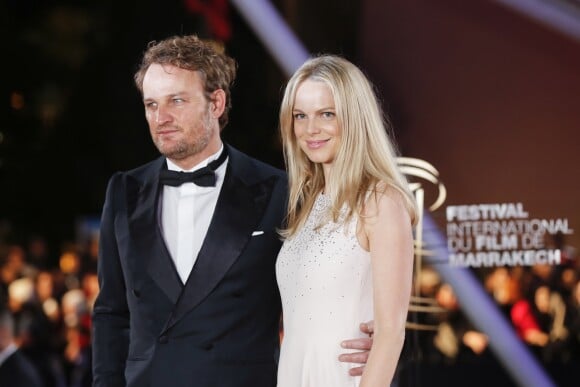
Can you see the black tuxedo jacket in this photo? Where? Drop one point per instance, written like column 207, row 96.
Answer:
column 221, row 327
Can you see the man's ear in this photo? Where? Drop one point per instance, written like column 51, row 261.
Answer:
column 217, row 103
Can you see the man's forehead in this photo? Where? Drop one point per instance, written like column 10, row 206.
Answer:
column 166, row 79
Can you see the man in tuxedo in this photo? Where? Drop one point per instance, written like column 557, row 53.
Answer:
column 189, row 241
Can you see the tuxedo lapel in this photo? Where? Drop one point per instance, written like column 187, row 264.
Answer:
column 142, row 203
column 239, row 209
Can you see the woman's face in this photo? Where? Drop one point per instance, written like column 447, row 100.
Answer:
column 315, row 123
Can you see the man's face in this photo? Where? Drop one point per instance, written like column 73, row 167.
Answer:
column 179, row 115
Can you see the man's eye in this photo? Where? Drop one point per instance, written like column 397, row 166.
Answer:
column 150, row 105
column 178, row 100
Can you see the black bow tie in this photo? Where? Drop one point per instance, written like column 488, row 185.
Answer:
column 203, row 177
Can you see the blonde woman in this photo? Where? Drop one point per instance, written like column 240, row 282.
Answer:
column 348, row 250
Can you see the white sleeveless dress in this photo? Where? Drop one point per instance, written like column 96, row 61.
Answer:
column 325, row 283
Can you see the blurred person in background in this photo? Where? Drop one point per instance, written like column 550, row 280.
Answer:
column 44, row 295
column 77, row 330
column 550, row 312
column 573, row 321
column 36, row 336
column 37, row 252
column 456, row 339
column 524, row 319
column 15, row 266
column 15, row 369
column 70, row 266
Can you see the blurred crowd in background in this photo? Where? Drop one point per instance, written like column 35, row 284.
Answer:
column 50, row 298
column 541, row 302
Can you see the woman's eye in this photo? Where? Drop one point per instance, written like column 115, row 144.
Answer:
column 299, row 116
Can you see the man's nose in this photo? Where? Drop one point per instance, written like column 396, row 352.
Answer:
column 162, row 116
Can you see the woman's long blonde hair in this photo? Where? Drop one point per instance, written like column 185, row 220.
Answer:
column 365, row 161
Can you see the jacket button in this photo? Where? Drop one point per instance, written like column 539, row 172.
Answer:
column 163, row 339
column 136, row 293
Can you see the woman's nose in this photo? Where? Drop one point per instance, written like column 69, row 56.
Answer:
column 312, row 127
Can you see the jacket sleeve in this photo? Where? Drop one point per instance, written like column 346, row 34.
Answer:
column 111, row 313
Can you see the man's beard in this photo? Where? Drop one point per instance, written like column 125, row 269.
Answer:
column 183, row 149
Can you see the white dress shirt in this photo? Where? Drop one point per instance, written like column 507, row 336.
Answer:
column 186, row 213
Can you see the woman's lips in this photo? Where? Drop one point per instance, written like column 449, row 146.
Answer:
column 316, row 144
